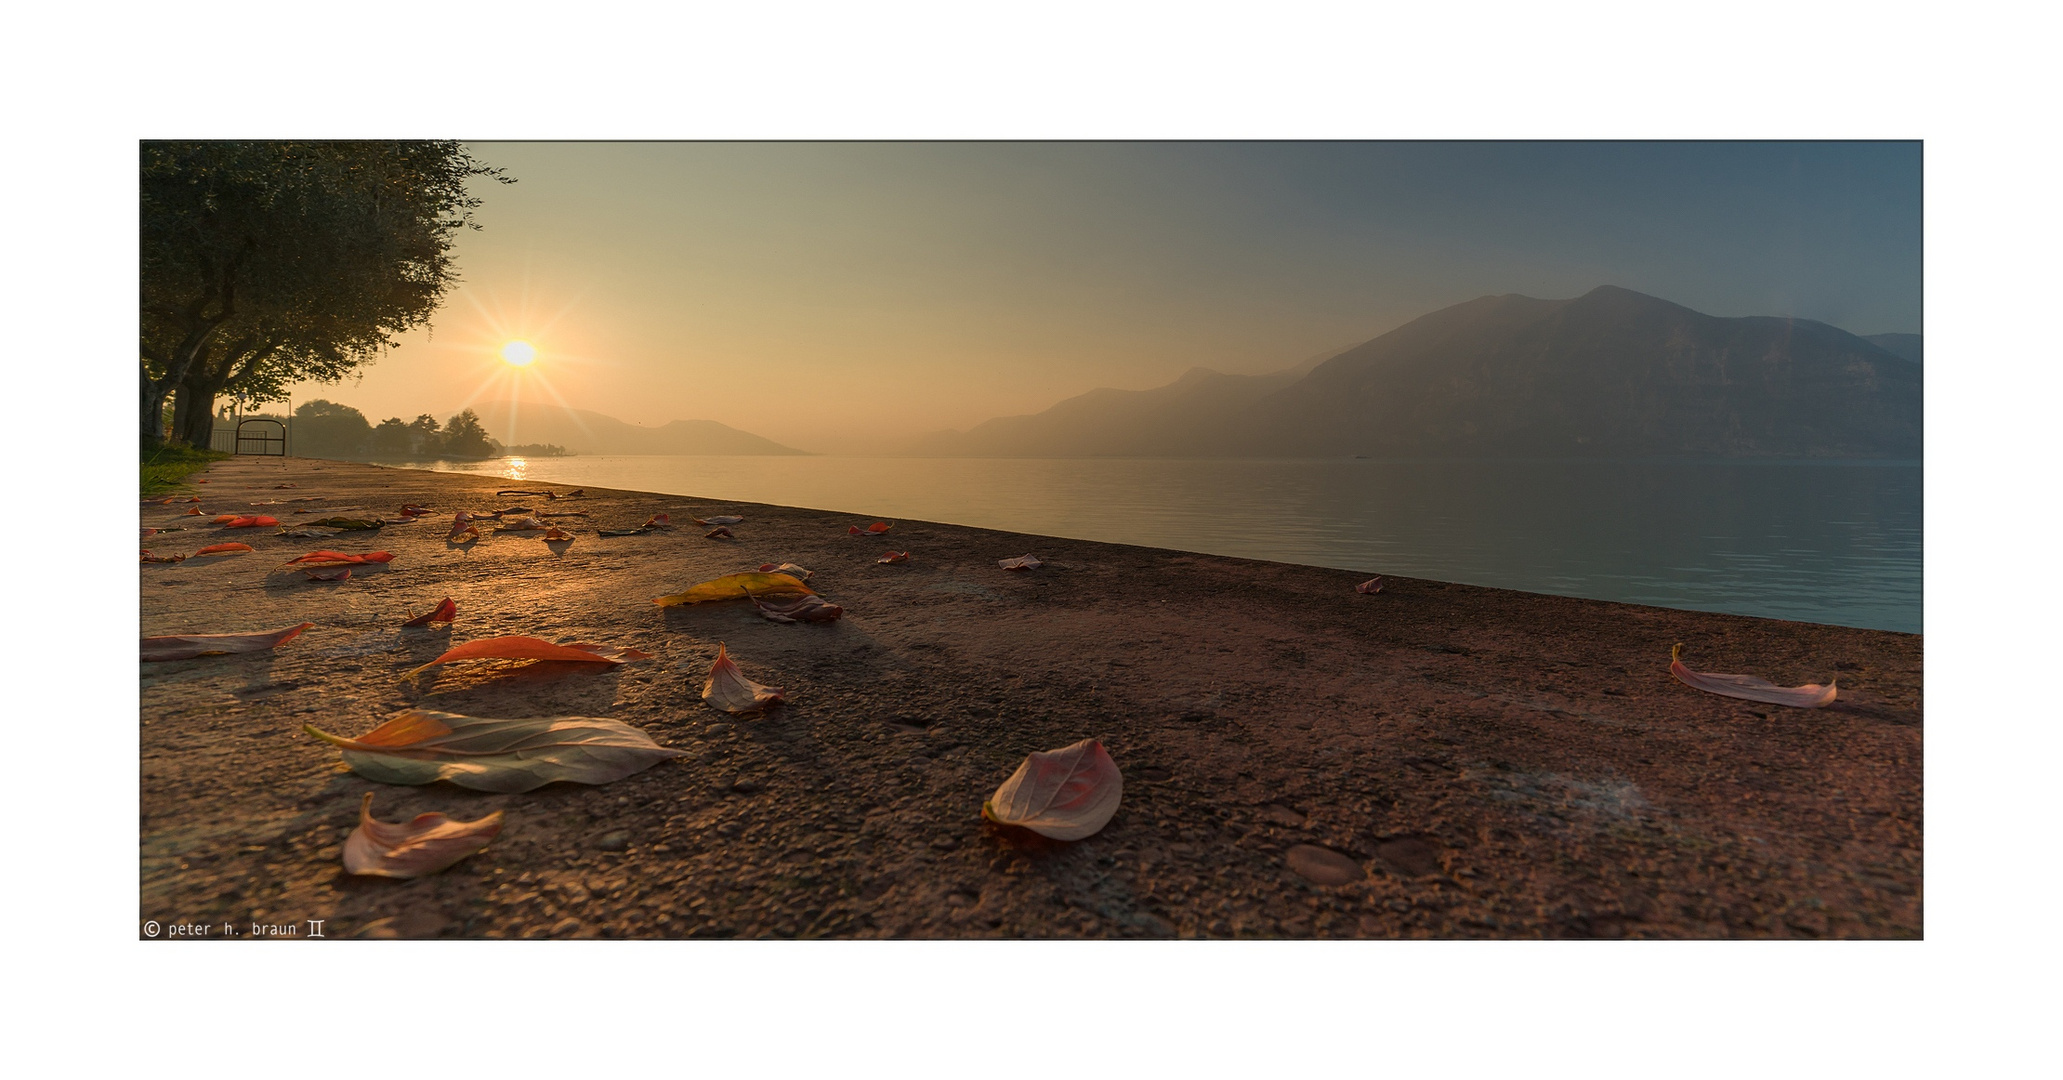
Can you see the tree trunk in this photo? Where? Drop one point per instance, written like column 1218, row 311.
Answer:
column 195, row 419
column 153, row 412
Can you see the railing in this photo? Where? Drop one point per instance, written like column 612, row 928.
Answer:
column 261, row 439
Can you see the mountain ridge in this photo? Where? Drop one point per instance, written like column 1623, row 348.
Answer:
column 1611, row 372
column 585, row 432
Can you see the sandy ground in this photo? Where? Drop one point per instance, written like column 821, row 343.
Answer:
column 1481, row 763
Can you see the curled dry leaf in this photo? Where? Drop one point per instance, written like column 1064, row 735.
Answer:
column 410, row 510
column 1750, row 688
column 422, row 747
column 518, row 647
column 1370, row 587
column 226, row 549
column 188, row 646
column 251, row 522
column 148, row 557
column 308, row 532
column 893, row 557
column 736, row 587
column 555, row 534
column 875, row 529
column 348, row 523
column 409, row 849
column 721, row 532
column 147, row 533
column 640, row 531
column 658, row 521
column 728, row 689
column 1065, row 794
column 1022, row 562
column 791, row 609
column 321, row 559
column 196, row 498
column 444, row 612
column 523, row 524
column 329, row 575
column 723, row 519
column 195, row 511
column 461, row 522
column 788, row 568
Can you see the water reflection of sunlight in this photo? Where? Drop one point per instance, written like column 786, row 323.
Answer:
column 513, row 468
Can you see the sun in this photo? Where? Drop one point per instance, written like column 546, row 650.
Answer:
column 519, row 353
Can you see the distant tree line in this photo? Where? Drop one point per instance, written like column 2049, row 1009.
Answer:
column 325, row 429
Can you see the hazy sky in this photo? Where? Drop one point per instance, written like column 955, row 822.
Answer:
column 825, row 295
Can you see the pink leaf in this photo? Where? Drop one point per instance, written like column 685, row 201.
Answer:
column 425, row 845
column 803, row 608
column 188, row 646
column 1370, row 587
column 1065, row 794
column 1750, row 688
column 1022, row 562
column 728, row 689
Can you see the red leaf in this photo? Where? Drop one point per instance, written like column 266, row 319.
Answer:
column 658, row 521
column 444, row 612
column 318, row 559
column 425, row 845
column 721, row 532
column 225, row 549
column 530, row 648
column 1370, row 587
column 248, row 522
column 893, row 557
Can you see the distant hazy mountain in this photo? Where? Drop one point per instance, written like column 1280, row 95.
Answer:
column 1903, row 346
column 1611, row 372
column 586, row 432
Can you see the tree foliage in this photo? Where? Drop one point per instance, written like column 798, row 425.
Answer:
column 267, row 263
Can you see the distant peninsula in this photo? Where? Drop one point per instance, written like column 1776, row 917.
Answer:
column 1610, row 373
column 584, row 432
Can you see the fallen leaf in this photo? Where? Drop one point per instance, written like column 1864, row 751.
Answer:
column 728, row 689
column 556, row 534
column 1370, row 587
column 470, row 534
column 196, row 498
column 640, row 531
column 425, row 845
column 329, row 575
column 148, row 557
column 347, row 523
column 444, row 612
column 736, row 587
column 721, row 532
column 218, row 519
column 195, row 511
column 305, row 532
column 1065, row 794
column 200, row 481
column 518, row 647
column 507, row 510
column 523, row 524
column 188, row 646
column 576, row 493
column 875, row 529
column 1022, row 562
column 277, row 487
column 249, row 522
column 893, row 557
column 789, row 609
column 1750, row 688
column 413, row 510
column 421, row 747
column 226, row 549
column 722, row 520
column 788, row 568
column 321, row 559
column 658, row 521
column 147, row 533
column 460, row 522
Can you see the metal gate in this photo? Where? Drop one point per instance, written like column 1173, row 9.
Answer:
column 261, row 438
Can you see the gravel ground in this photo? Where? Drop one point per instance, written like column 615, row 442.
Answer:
column 1300, row 761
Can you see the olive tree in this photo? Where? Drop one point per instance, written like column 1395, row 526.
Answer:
column 267, row 263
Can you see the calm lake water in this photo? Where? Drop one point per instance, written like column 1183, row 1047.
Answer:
column 1830, row 542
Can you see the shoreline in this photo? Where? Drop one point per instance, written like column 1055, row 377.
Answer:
column 1492, row 763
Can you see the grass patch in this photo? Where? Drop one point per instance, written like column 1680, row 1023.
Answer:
column 165, row 468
